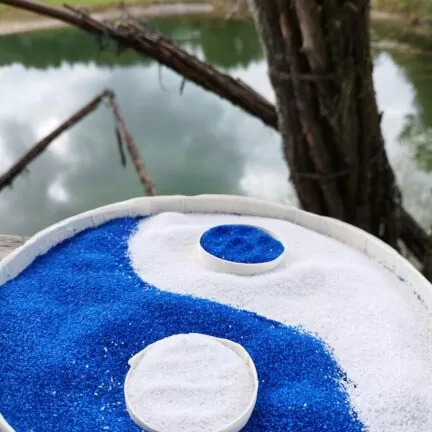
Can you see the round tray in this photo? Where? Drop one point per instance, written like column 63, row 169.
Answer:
column 357, row 239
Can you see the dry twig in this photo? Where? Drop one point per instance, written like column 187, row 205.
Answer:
column 8, row 177
column 132, row 149
column 122, row 136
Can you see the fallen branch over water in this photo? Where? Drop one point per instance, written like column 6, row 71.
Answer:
column 132, row 149
column 160, row 48
column 8, row 177
column 21, row 165
column 153, row 44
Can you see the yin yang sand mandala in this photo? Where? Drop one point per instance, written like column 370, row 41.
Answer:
column 339, row 343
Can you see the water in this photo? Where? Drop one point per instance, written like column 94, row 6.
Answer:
column 192, row 142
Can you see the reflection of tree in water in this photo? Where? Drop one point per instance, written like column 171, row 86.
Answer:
column 236, row 44
column 417, row 131
column 416, row 64
column 50, row 48
column 226, row 44
column 418, row 135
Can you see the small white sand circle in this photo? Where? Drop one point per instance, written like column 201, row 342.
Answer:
column 191, row 383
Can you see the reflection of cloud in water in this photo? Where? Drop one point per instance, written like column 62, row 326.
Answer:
column 265, row 173
column 5, row 160
column 265, row 183
column 191, row 143
column 60, row 147
column 57, row 192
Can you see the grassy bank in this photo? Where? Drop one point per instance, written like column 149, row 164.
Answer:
column 414, row 10
column 13, row 14
column 98, row 4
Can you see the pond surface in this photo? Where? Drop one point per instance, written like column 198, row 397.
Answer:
column 192, row 142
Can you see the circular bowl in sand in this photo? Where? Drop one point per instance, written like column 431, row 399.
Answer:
column 133, row 383
column 214, row 263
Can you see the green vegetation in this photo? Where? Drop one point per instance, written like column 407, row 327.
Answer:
column 92, row 4
column 414, row 9
column 14, row 14
column 416, row 65
column 236, row 45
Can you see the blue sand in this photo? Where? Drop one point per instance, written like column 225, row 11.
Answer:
column 241, row 243
column 70, row 322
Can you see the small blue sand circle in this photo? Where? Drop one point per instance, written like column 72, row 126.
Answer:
column 244, row 244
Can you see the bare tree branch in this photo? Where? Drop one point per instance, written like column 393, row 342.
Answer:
column 120, row 146
column 132, row 149
column 7, row 178
column 152, row 44
column 122, row 136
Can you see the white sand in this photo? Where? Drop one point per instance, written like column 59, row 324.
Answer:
column 380, row 332
column 190, row 383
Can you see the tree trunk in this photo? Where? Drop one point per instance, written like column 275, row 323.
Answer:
column 320, row 67
column 427, row 265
